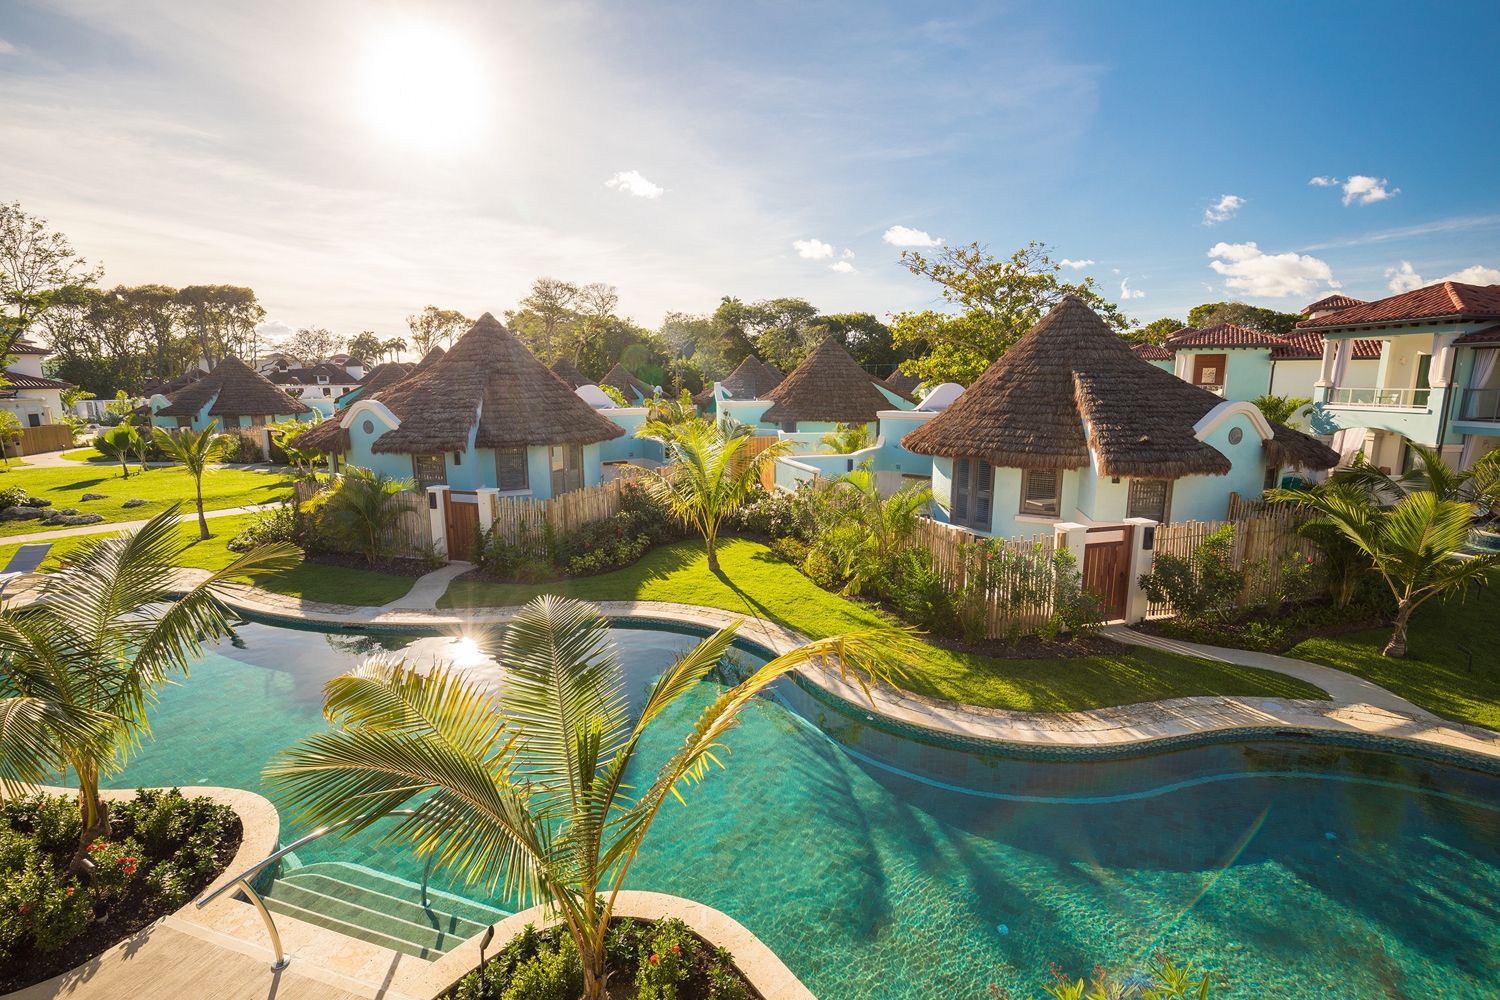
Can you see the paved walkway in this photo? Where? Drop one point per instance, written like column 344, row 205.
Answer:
column 114, row 527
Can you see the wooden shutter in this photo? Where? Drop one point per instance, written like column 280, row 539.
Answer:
column 1039, row 492
column 1148, row 498
column 961, row 474
column 984, row 496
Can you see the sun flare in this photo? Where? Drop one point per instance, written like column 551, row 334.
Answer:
column 422, row 87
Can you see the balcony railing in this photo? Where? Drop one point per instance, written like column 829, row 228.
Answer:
column 1480, row 404
column 1217, row 390
column 1394, row 398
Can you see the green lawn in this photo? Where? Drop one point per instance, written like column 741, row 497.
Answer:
column 89, row 454
column 334, row 584
column 65, row 487
column 755, row 582
column 1435, row 674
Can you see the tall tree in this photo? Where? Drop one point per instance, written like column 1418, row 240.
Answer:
column 545, row 315
column 781, row 331
column 391, row 348
column 433, row 327
column 312, row 344
column 863, row 336
column 1241, row 314
column 36, row 265
column 997, row 300
column 366, row 346
column 1155, row 332
column 222, row 320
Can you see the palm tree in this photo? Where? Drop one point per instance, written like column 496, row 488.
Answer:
column 1413, row 545
column 196, row 450
column 10, row 434
column 364, row 510
column 848, row 438
column 118, row 442
column 541, row 791
column 285, row 435
column 1280, row 409
column 80, row 667
column 710, row 474
column 862, row 530
column 1430, row 474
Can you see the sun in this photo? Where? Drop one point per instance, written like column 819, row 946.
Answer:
column 422, row 87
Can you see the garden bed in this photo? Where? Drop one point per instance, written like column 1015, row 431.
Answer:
column 163, row 849
column 657, row 959
column 392, row 565
column 1273, row 630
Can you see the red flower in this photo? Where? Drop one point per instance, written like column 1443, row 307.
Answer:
column 676, row 950
column 653, row 959
column 97, row 846
column 27, row 909
column 70, row 892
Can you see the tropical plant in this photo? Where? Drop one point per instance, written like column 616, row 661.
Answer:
column 848, row 438
column 540, row 791
column 1413, row 546
column 196, row 450
column 1280, row 409
column 10, row 434
column 1430, row 474
column 285, row 434
column 80, row 667
column 1199, row 586
column 672, row 410
column 1165, row 981
column 364, row 510
column 118, row 442
column 709, row 475
column 860, row 531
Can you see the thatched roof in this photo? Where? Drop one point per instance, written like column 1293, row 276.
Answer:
column 429, row 358
column 489, row 376
column 752, row 378
column 380, row 376
column 566, row 370
column 326, row 438
column 829, row 386
column 237, row 390
column 899, row 381
column 1070, row 384
column 619, row 377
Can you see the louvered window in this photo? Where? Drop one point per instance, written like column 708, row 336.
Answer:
column 429, row 470
column 1041, row 492
column 973, row 493
column 510, row 469
column 1149, row 498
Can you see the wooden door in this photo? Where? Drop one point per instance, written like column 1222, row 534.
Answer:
column 461, row 514
column 1208, row 369
column 1106, row 567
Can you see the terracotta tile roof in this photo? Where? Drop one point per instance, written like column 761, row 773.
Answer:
column 1222, row 335
column 1489, row 335
column 1151, row 352
column 1308, row 344
column 1331, row 303
column 1439, row 301
column 20, row 380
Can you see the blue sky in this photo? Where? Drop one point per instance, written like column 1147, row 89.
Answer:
column 353, row 162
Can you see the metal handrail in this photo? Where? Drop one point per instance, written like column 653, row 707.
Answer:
column 242, row 880
column 1379, row 396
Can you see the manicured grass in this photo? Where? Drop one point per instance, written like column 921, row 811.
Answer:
column 65, row 487
column 89, row 454
column 1435, row 674
column 756, row 582
column 313, row 581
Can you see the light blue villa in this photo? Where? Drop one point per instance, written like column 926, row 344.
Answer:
column 1070, row 428
column 1437, row 382
column 234, row 395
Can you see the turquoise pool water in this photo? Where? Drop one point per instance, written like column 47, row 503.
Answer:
column 878, row 866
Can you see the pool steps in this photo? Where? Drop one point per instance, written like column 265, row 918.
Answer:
column 379, row 908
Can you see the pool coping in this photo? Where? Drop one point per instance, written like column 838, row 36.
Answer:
column 1357, row 712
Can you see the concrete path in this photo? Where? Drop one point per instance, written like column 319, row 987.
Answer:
column 425, row 593
column 113, row 527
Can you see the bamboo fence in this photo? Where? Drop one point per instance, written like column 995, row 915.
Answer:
column 1004, row 582
column 1266, row 542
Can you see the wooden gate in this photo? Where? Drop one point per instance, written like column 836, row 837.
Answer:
column 1106, row 566
column 461, row 515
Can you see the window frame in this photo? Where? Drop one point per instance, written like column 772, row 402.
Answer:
column 525, row 468
column 568, row 476
column 416, row 469
column 1055, row 510
column 1166, row 500
column 972, row 494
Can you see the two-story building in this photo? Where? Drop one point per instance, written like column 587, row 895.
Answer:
column 33, row 397
column 1437, row 382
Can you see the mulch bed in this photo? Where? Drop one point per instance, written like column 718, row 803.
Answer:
column 1034, row 647
column 124, row 918
column 393, row 566
column 1230, row 633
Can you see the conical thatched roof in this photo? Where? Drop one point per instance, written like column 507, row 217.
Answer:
column 829, row 386
column 237, row 390
column 566, row 370
column 1069, row 375
column 899, row 381
column 325, row 438
column 619, row 377
column 489, row 376
column 752, row 378
column 383, row 375
column 429, row 358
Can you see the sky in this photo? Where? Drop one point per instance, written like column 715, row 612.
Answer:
column 353, row 162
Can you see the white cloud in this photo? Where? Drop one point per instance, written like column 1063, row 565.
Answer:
column 1127, row 293
column 1223, row 210
column 1360, row 188
column 842, row 267
column 1246, row 268
column 632, row 183
column 847, row 254
column 1076, row 265
column 905, row 236
column 812, row 249
column 1478, row 274
column 6, row 48
column 1403, row 278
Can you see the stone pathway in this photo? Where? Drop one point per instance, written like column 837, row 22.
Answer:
column 113, row 527
column 429, row 589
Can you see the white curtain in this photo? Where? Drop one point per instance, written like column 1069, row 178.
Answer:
column 1484, row 367
column 1471, row 446
column 1348, row 442
column 1341, row 354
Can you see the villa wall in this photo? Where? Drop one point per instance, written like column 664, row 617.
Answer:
column 1247, row 371
column 629, row 448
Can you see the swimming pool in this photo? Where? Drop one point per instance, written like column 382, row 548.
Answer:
column 879, row 866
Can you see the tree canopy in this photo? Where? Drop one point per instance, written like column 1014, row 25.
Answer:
column 1241, row 314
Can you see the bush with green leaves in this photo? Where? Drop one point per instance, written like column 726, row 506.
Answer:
column 41, row 909
column 778, row 514
column 1203, row 586
column 665, row 961
column 280, row 525
column 724, row 980
column 51, row 821
column 242, row 449
column 921, row 594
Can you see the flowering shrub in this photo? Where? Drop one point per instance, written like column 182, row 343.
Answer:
column 778, row 514
column 664, row 961
column 39, row 909
column 115, row 868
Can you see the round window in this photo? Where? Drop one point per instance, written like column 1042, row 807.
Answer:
column 369, row 427
column 1236, row 435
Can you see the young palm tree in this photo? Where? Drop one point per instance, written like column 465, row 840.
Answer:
column 539, row 792
column 1280, row 409
column 1413, row 545
column 709, row 475
column 364, row 510
column 118, row 442
column 80, row 667
column 862, row 530
column 848, row 438
column 1431, row 474
column 196, row 450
